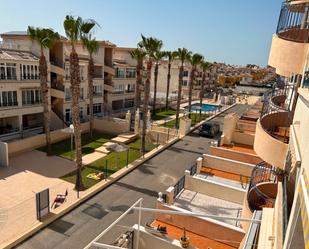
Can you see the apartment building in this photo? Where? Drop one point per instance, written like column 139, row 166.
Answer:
column 21, row 101
column 20, row 98
column 121, row 98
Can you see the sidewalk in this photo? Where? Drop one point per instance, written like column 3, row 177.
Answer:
column 102, row 151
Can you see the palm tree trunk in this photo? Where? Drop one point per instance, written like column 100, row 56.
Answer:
column 202, row 92
column 90, row 90
column 190, row 90
column 168, row 84
column 75, row 88
column 155, row 88
column 180, row 77
column 145, row 107
column 45, row 100
column 139, row 79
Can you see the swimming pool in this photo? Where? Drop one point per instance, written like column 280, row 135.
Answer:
column 205, row 107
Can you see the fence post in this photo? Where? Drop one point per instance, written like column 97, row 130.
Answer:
column 128, row 156
column 157, row 140
column 199, row 164
column 106, row 170
column 170, row 195
column 168, row 135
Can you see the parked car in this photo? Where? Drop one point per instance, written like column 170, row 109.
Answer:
column 209, row 129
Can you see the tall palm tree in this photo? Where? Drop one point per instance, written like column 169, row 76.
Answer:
column 75, row 28
column 158, row 55
column 92, row 46
column 139, row 56
column 170, row 56
column 205, row 65
column 182, row 54
column 46, row 38
column 149, row 45
column 195, row 60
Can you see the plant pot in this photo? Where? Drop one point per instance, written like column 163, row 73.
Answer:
column 184, row 242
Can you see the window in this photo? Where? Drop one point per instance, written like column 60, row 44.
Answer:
column 8, row 98
column 68, row 94
column 185, row 73
column 8, row 71
column 81, row 115
column 81, row 71
column 31, row 97
column 67, row 72
column 81, row 94
column 184, row 82
column 29, row 72
column 130, row 73
column 120, row 72
column 128, row 103
column 130, row 88
column 68, row 115
column 118, row 89
column 97, row 90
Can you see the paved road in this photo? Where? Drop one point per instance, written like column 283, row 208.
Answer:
column 81, row 225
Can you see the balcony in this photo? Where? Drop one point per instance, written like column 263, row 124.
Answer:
column 57, row 67
column 290, row 43
column 57, row 89
column 262, row 190
column 272, row 128
column 292, row 24
column 108, row 85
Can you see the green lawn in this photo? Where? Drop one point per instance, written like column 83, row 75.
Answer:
column 163, row 114
column 195, row 118
column 63, row 148
column 115, row 161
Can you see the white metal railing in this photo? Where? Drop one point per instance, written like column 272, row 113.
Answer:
column 137, row 206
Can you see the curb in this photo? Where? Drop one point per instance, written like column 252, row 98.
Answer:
column 103, row 184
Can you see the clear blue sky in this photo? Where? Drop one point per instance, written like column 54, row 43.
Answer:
column 231, row 31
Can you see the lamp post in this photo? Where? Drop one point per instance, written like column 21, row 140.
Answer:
column 71, row 132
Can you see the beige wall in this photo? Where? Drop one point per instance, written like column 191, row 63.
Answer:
column 112, row 126
column 243, row 138
column 214, row 189
column 269, row 148
column 287, row 57
column 229, row 125
column 207, row 227
column 228, row 165
column 234, row 155
column 37, row 141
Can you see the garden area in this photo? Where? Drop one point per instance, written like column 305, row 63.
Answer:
column 195, row 118
column 163, row 114
column 63, row 148
column 110, row 163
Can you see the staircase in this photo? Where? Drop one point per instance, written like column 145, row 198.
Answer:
column 262, row 190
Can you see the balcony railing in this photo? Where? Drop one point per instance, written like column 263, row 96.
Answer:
column 57, row 85
column 277, row 113
column 292, row 24
column 6, row 77
column 257, row 198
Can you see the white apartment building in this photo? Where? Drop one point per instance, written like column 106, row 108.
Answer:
column 121, row 98
column 20, row 95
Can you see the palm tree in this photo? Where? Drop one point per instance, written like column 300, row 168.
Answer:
column 195, row 60
column 46, row 38
column 205, row 66
column 158, row 55
column 139, row 56
column 149, row 45
column 75, row 29
column 170, row 56
column 182, row 54
column 92, row 46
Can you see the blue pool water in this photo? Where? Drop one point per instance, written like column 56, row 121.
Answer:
column 205, row 107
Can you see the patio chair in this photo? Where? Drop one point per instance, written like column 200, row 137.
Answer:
column 59, row 199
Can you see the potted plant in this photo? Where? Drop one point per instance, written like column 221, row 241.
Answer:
column 280, row 173
column 184, row 240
